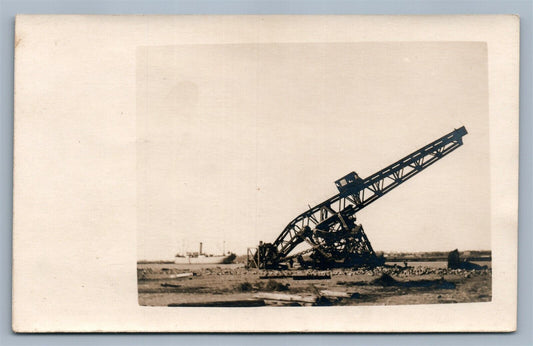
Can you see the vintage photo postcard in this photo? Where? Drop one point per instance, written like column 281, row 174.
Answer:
column 265, row 173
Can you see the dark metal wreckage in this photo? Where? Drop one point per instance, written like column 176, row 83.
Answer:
column 328, row 231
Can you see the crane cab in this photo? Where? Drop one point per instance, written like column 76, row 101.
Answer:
column 348, row 184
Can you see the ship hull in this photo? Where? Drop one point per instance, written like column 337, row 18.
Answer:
column 200, row 260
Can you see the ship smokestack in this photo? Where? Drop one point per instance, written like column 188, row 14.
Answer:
column 200, row 249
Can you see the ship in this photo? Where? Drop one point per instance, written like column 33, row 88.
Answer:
column 201, row 258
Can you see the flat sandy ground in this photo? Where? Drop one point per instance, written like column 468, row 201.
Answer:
column 419, row 283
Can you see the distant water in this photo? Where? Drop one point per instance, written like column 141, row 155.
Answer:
column 432, row 264
column 188, row 266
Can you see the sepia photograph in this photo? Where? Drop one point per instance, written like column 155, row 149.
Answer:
column 299, row 174
column 265, row 174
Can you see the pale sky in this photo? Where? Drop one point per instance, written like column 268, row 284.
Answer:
column 234, row 141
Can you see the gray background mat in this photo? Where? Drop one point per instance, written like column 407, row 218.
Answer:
column 8, row 10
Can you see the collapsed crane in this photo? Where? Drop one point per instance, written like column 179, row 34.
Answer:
column 329, row 230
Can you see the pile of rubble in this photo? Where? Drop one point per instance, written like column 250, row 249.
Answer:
column 397, row 271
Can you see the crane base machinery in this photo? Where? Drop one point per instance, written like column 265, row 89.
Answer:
column 327, row 235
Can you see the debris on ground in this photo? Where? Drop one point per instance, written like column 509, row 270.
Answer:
column 385, row 280
column 282, row 276
column 169, row 285
column 271, row 285
column 182, row 275
column 286, row 297
column 223, row 303
column 335, row 294
column 359, row 286
column 245, row 287
column 312, row 277
column 455, row 262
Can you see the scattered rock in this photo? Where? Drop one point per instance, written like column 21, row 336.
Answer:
column 385, row 280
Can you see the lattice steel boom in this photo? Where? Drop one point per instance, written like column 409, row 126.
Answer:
column 329, row 228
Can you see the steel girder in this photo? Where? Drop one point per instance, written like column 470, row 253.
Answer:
column 329, row 228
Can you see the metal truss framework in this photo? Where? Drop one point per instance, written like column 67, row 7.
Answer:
column 329, row 228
